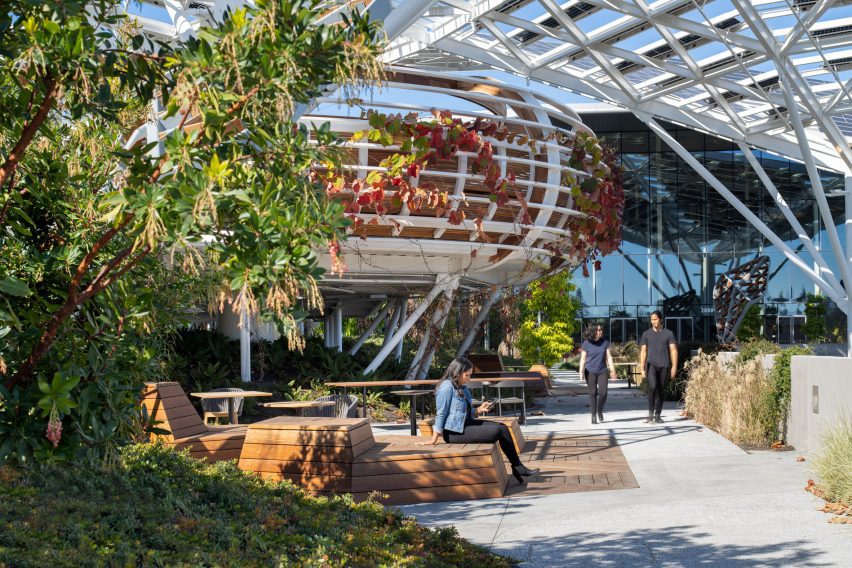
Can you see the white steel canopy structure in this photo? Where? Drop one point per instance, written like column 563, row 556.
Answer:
column 770, row 74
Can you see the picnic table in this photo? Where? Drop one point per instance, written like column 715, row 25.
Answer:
column 230, row 395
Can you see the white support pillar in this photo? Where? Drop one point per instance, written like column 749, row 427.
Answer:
column 425, row 353
column 480, row 317
column 371, row 328
column 393, row 322
column 338, row 329
column 423, row 369
column 403, row 307
column 441, row 283
column 245, row 345
column 848, row 225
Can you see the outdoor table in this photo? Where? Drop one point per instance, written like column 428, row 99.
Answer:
column 299, row 405
column 230, row 395
column 413, row 412
column 421, row 382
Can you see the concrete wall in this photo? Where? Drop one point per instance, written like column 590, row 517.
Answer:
column 821, row 392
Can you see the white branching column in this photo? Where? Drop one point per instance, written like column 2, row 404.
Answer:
column 480, row 318
column 426, row 351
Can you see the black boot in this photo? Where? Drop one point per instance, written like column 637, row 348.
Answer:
column 520, row 471
column 594, row 419
column 600, row 416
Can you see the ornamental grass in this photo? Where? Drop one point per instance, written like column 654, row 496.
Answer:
column 833, row 464
column 160, row 507
column 735, row 400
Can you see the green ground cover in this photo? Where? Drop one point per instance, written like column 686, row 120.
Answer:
column 159, row 507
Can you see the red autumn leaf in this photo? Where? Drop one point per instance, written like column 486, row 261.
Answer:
column 413, row 170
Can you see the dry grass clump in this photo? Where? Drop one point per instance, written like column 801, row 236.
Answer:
column 833, row 465
column 734, row 399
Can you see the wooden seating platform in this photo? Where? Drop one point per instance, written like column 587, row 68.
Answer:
column 340, row 455
column 167, row 404
column 511, row 422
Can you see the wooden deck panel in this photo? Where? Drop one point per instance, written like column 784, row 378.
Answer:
column 232, row 443
column 217, row 455
column 312, row 437
column 425, row 479
column 432, row 494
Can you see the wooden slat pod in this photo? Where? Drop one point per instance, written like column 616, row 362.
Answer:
column 167, row 404
column 403, row 472
column 315, row 453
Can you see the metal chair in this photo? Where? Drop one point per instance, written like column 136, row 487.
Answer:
column 345, row 407
column 512, row 397
column 216, row 408
column 478, row 392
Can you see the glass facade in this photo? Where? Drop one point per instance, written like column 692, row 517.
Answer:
column 680, row 234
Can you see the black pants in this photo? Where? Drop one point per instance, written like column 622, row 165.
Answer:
column 597, row 390
column 486, row 432
column 656, row 388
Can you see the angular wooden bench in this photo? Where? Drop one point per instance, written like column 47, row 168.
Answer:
column 167, row 404
column 510, row 421
column 341, row 455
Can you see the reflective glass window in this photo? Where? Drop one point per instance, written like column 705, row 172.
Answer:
column 636, row 279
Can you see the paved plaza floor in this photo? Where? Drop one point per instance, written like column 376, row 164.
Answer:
column 700, row 500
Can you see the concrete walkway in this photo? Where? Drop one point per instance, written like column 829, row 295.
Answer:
column 702, row 501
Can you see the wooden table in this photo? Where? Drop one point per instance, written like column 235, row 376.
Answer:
column 230, row 395
column 301, row 405
column 363, row 385
column 413, row 411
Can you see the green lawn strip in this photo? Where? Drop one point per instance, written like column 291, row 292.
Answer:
column 162, row 508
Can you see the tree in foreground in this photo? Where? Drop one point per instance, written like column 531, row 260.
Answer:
column 101, row 243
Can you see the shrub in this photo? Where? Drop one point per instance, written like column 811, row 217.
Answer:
column 734, row 400
column 833, row 463
column 757, row 347
column 163, row 508
column 779, row 398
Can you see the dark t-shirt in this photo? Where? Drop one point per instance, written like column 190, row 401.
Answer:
column 658, row 346
column 595, row 355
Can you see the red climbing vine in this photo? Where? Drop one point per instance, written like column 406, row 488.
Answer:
column 595, row 184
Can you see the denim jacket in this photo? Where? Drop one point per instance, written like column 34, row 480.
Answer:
column 450, row 408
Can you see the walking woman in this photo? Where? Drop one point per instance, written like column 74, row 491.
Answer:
column 595, row 359
column 455, row 417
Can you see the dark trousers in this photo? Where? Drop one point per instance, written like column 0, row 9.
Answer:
column 597, row 390
column 656, row 387
column 486, row 432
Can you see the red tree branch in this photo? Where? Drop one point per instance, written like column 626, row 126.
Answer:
column 29, row 131
column 75, row 298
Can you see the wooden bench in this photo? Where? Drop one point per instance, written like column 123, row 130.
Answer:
column 341, row 455
column 167, row 404
column 511, row 422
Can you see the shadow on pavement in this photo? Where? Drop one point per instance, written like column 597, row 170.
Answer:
column 672, row 546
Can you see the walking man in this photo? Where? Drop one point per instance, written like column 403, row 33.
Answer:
column 657, row 361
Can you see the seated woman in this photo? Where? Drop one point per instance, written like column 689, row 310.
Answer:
column 454, row 417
